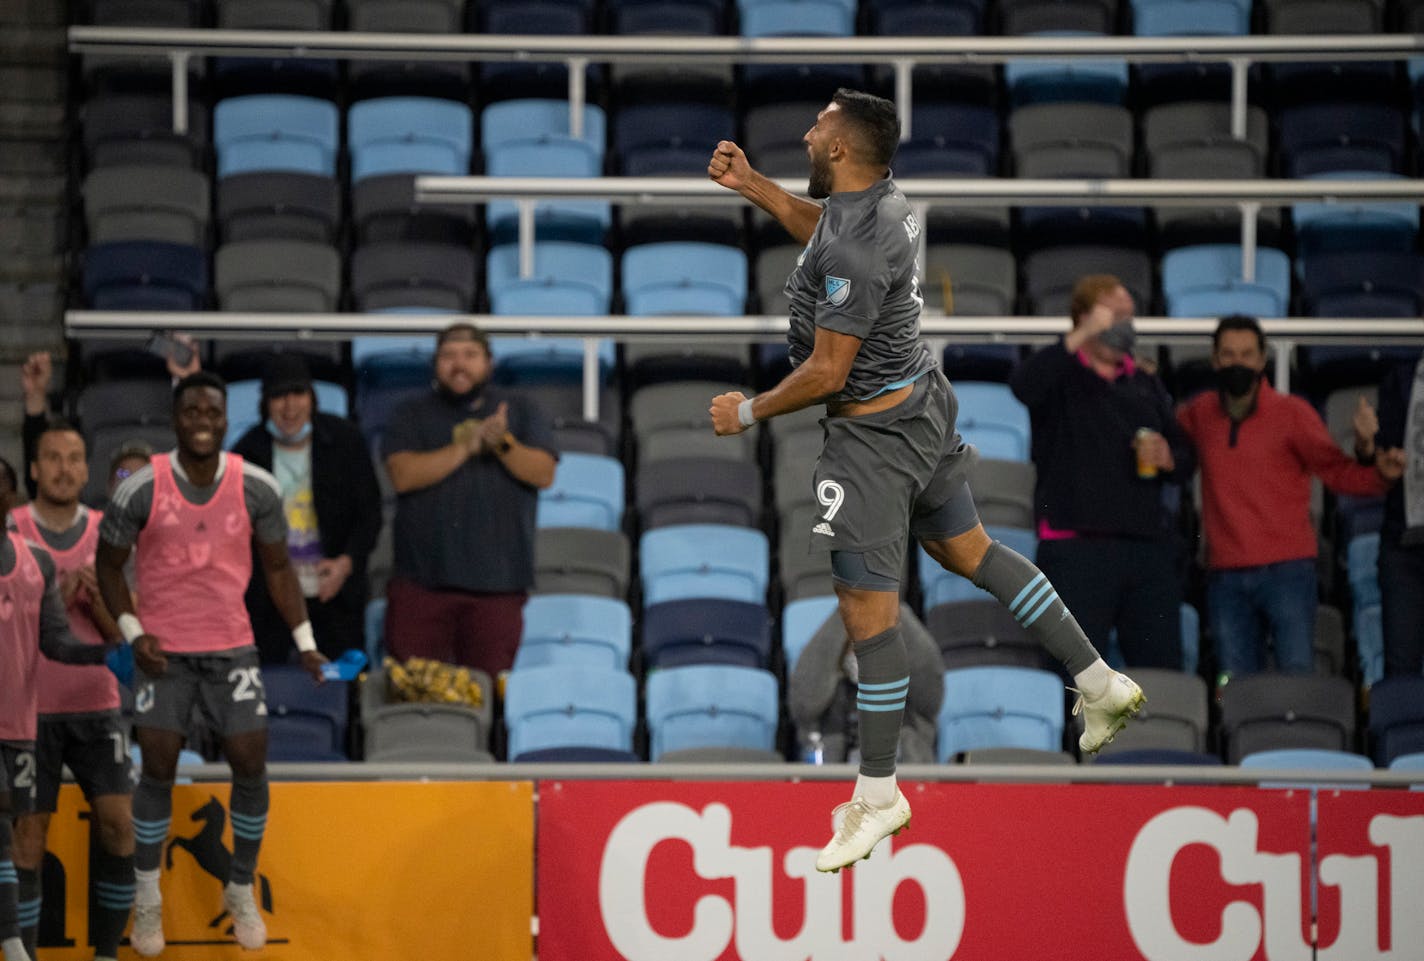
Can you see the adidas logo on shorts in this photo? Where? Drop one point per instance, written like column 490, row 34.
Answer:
column 823, row 528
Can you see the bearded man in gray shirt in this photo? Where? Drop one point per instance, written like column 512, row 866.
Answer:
column 892, row 465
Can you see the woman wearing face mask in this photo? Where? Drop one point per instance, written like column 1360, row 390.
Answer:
column 333, row 508
column 1105, row 443
column 1258, row 451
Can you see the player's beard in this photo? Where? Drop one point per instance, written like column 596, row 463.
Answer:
column 819, row 187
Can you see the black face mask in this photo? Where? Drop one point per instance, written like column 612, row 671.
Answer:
column 1236, row 380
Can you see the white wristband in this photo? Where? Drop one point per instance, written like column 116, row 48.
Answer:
column 302, row 634
column 745, row 417
column 130, row 627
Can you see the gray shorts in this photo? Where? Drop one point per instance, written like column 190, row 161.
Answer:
column 96, row 749
column 227, row 688
column 887, row 476
column 17, row 775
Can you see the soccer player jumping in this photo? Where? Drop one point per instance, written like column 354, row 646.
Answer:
column 892, row 463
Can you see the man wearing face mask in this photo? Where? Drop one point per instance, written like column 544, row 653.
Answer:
column 467, row 461
column 1104, row 443
column 333, row 508
column 1258, row 450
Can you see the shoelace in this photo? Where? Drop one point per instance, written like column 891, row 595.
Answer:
column 1077, row 704
column 854, row 812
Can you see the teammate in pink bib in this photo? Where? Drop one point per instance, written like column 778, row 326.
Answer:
column 193, row 516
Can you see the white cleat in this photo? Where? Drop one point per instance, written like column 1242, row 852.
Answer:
column 146, row 936
column 247, row 925
column 858, row 828
column 1108, row 713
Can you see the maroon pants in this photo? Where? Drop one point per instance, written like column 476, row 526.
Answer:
column 459, row 627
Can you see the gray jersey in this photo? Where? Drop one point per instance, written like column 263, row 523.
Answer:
column 129, row 507
column 857, row 277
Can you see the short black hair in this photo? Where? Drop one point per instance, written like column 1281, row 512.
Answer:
column 200, row 378
column 875, row 119
column 1239, row 322
column 55, row 425
column 8, row 476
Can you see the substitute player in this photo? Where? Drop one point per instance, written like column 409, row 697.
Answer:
column 33, row 620
column 193, row 515
column 892, row 464
column 79, row 722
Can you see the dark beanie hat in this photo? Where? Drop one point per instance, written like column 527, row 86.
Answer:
column 285, row 374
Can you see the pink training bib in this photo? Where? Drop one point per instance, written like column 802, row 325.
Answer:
column 72, row 688
column 193, row 564
column 21, row 593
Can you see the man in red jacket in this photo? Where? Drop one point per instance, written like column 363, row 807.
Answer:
column 1258, row 450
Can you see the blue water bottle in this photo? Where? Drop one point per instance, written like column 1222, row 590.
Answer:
column 815, row 752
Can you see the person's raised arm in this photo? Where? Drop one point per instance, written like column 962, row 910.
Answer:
column 730, row 168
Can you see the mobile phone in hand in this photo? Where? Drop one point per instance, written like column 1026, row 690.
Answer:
column 167, row 346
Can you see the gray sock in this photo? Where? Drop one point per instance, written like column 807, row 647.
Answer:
column 880, row 703
column 113, row 886
column 1024, row 589
column 152, row 812
column 27, row 903
column 9, row 882
column 248, row 810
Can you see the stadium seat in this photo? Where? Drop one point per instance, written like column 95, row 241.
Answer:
column 404, row 274
column 995, row 707
column 1362, row 284
column 575, row 630
column 401, row 731
column 584, row 221
column 276, row 132
column 684, row 278
column 711, row 705
column 1192, row 275
column 1177, row 18
column 1045, row 81
column 569, row 706
column 664, row 139
column 278, row 205
column 305, row 722
column 1268, row 711
column 703, row 560
column 941, row 587
column 691, row 490
column 1018, row 17
column 274, row 14
column 1323, row 226
column 970, row 280
column 1050, row 274
column 290, row 276
column 587, row 492
column 800, row 620
column 982, row 633
column 123, row 129
column 1340, row 135
column 578, row 560
column 159, row 203
column 1396, row 718
column 1081, row 139
column 706, row 631
column 107, row 403
column 993, row 420
column 1174, row 718
column 409, row 135
column 1003, row 492
column 145, row 275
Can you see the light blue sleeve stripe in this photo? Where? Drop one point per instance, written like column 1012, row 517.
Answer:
column 897, row 706
column 1028, row 605
column 1014, row 604
column 887, row 696
column 1047, row 603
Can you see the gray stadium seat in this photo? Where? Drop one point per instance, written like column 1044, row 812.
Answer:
column 971, row 280
column 147, row 203
column 397, row 731
column 277, row 204
column 274, row 14
column 978, row 633
column 277, row 275
column 698, row 491
column 106, row 403
column 1266, row 711
column 579, row 560
column 1049, row 275
column 396, row 274
column 1072, row 139
column 1003, row 492
column 1174, row 718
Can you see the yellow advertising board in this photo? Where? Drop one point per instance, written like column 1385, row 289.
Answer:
column 437, row 871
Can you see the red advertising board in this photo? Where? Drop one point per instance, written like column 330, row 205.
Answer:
column 1370, row 846
column 644, row 871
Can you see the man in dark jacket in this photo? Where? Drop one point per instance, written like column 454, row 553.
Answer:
column 333, row 508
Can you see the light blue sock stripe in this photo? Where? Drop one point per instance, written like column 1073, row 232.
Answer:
column 1047, row 603
column 897, row 706
column 249, row 820
column 114, row 903
column 889, row 696
column 1014, row 604
column 113, row 885
column 1022, row 612
column 887, row 686
column 7, row 873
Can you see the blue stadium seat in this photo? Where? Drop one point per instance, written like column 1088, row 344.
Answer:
column 711, row 705
column 569, row 706
column 570, row 279
column 583, row 268
column 587, row 492
column 1196, row 18
column 411, row 349
column 582, row 220
column 1192, row 276
column 993, row 420
column 942, row 587
column 267, row 132
column 575, row 630
column 800, row 620
column 703, row 560
column 1052, row 81
column 540, row 122
column 988, row 707
column 691, row 278
column 1409, row 762
column 652, row 139
column 1323, row 226
column 406, row 135
column 145, row 275
column 1362, row 284
column 800, row 18
column 305, row 722
column 1304, row 757
column 1396, row 718
column 706, row 631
